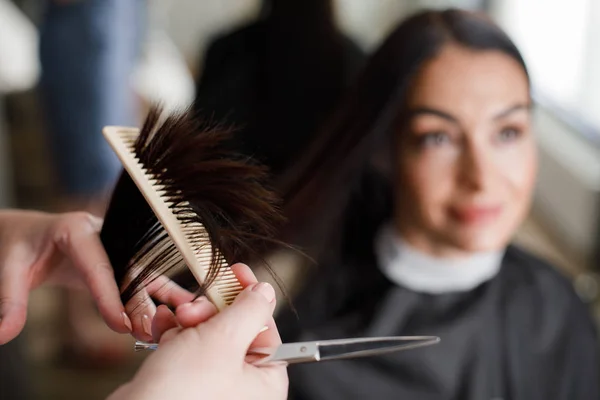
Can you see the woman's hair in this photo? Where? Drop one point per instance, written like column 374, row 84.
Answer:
column 330, row 181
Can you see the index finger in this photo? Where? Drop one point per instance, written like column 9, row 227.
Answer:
column 77, row 237
column 244, row 274
column 192, row 314
column 269, row 337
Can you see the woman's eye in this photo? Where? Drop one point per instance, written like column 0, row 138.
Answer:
column 434, row 139
column 509, row 134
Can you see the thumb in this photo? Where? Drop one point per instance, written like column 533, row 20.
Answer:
column 241, row 322
column 13, row 300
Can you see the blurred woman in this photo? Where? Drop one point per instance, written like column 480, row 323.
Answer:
column 418, row 187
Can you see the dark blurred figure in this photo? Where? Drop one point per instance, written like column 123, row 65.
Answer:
column 278, row 78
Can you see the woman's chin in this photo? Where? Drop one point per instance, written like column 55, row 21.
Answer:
column 480, row 240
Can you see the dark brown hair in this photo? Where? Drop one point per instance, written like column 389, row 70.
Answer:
column 203, row 181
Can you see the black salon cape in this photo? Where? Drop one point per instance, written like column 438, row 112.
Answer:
column 524, row 335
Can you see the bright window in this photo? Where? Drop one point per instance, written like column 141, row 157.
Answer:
column 560, row 42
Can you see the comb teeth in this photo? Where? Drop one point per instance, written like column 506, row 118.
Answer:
column 191, row 239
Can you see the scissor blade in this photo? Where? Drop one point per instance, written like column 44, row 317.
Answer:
column 363, row 347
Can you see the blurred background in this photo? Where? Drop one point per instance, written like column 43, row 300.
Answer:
column 69, row 67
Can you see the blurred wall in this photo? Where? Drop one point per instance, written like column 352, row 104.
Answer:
column 568, row 190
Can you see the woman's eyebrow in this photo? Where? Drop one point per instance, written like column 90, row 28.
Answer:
column 513, row 109
column 416, row 111
column 413, row 112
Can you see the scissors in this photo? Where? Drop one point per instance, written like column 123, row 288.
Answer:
column 326, row 350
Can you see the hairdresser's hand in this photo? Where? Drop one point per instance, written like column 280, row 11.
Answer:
column 207, row 360
column 65, row 249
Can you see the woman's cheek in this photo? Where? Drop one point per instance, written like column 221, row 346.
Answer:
column 520, row 171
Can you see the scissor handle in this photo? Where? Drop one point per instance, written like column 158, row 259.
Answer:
column 287, row 353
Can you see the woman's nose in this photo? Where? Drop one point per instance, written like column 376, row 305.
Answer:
column 475, row 167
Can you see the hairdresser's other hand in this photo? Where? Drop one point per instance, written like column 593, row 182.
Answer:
column 38, row 247
column 209, row 360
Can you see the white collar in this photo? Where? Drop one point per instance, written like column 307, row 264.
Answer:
column 408, row 267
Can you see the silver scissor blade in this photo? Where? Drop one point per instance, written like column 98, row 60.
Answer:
column 364, row 347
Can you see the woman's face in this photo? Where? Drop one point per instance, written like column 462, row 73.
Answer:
column 467, row 157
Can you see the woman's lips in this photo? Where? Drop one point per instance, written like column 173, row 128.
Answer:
column 476, row 214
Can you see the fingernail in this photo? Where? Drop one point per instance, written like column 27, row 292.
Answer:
column 126, row 321
column 147, row 325
column 266, row 290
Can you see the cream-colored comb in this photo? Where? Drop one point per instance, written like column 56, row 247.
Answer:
column 191, row 241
